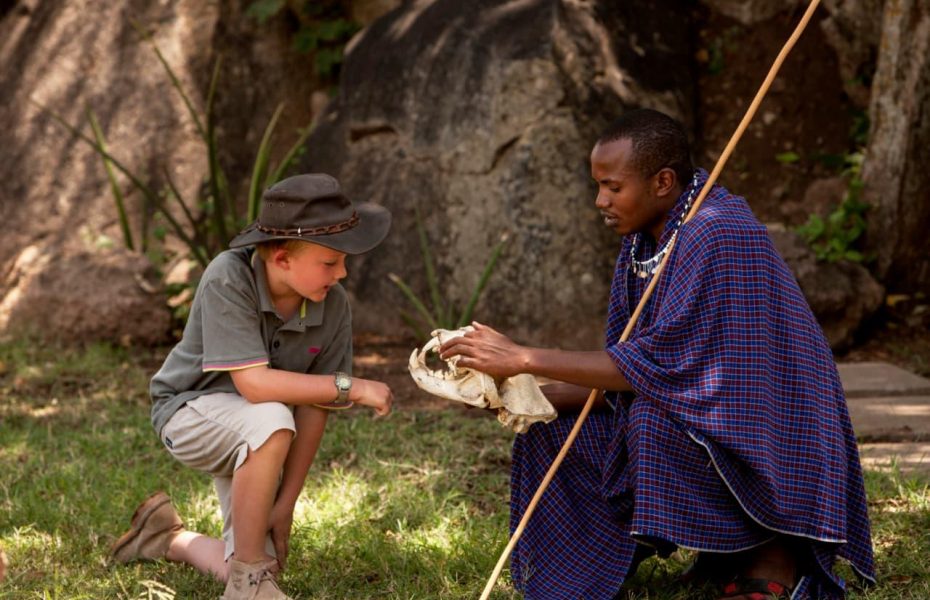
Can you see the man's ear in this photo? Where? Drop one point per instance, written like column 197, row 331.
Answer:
column 665, row 181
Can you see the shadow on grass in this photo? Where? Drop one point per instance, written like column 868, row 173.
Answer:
column 412, row 506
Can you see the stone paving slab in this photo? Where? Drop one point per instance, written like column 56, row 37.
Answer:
column 891, row 418
column 874, row 379
column 909, row 458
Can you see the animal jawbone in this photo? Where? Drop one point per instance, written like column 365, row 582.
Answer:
column 519, row 401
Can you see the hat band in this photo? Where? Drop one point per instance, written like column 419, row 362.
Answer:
column 302, row 231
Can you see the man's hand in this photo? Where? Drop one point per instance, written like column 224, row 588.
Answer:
column 373, row 394
column 279, row 523
column 488, row 351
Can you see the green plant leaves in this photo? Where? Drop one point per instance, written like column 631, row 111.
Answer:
column 262, row 10
column 324, row 29
column 833, row 239
column 786, row 158
column 443, row 313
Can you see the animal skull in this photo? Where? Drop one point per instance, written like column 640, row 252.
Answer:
column 519, row 401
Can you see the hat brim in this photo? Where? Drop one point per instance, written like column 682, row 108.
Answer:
column 374, row 223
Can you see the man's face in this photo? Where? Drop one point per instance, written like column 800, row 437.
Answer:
column 627, row 201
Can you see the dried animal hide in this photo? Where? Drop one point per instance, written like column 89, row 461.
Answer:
column 519, row 401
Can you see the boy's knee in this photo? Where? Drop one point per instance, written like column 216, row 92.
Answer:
column 279, row 439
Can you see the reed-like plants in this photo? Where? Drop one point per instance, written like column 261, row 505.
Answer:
column 443, row 312
column 206, row 222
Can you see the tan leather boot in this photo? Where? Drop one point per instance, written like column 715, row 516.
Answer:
column 153, row 526
column 252, row 581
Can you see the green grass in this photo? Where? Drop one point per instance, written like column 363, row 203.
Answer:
column 412, row 506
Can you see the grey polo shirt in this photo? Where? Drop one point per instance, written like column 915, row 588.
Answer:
column 234, row 325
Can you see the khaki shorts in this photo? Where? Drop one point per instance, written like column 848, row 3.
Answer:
column 214, row 433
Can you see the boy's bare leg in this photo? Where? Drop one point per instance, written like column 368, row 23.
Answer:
column 208, row 555
column 255, row 484
column 310, row 423
column 205, row 554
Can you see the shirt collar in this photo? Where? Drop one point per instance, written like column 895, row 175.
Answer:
column 310, row 313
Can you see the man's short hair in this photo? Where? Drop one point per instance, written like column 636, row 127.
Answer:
column 658, row 141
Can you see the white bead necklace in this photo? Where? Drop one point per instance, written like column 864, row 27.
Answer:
column 644, row 268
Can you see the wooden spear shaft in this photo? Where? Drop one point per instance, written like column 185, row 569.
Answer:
column 711, row 179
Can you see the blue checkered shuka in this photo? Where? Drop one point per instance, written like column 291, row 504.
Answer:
column 738, row 429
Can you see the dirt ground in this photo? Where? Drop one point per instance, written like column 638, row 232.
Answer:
column 806, row 112
column 385, row 359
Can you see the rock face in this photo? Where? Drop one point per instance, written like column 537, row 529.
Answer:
column 478, row 114
column 55, row 200
column 108, row 294
column 481, row 115
column 895, row 171
column 841, row 294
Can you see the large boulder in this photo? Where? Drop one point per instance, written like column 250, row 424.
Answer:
column 481, row 115
column 842, row 294
column 68, row 57
column 92, row 294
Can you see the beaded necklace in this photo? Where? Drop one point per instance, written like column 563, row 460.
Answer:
column 644, row 268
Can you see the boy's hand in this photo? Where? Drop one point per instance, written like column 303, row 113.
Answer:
column 372, row 394
column 279, row 522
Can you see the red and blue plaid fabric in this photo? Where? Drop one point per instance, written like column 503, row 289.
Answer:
column 738, row 429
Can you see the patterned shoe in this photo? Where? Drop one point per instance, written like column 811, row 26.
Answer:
column 755, row 589
column 153, row 526
column 253, row 581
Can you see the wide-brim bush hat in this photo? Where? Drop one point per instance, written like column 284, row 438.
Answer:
column 312, row 208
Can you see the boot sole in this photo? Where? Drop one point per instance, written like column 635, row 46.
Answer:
column 148, row 506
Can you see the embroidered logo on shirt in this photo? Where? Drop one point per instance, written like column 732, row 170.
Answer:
column 313, row 350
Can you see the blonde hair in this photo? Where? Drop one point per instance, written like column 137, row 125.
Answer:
column 266, row 249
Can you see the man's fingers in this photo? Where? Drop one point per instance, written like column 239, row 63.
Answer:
column 468, row 363
column 454, row 347
column 480, row 327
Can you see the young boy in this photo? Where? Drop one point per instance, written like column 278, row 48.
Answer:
column 244, row 395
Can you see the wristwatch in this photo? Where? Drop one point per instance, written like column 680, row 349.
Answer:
column 343, row 385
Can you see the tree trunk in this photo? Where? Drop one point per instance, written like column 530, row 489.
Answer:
column 896, row 173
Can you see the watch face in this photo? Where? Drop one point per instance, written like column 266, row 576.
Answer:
column 343, row 382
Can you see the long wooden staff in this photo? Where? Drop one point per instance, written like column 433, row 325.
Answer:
column 734, row 139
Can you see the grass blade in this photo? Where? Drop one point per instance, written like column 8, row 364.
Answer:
column 414, row 326
column 200, row 249
column 114, row 185
column 482, row 282
column 261, row 165
column 146, row 191
column 288, row 159
column 177, row 195
column 218, row 189
column 417, row 303
column 174, row 78
column 218, row 184
column 431, row 280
